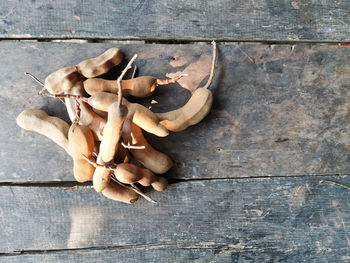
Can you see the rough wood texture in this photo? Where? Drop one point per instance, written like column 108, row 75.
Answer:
column 174, row 254
column 278, row 110
column 277, row 219
column 186, row 20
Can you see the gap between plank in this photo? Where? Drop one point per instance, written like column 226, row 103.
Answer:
column 222, row 247
column 171, row 181
column 168, row 41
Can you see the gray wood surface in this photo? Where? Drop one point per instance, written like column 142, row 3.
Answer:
column 293, row 217
column 261, row 20
column 173, row 254
column 278, row 219
column 278, row 110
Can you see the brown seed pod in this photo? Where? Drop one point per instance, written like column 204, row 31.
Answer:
column 129, row 173
column 140, row 87
column 139, row 114
column 81, row 141
column 195, row 109
column 108, row 147
column 119, row 193
column 62, row 80
column 52, row 127
column 97, row 66
column 191, row 113
column 87, row 116
column 112, row 131
column 152, row 159
column 101, row 177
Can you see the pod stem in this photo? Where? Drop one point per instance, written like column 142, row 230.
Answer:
column 207, row 85
column 94, row 164
column 119, row 80
column 112, row 168
column 38, row 81
column 335, row 183
column 169, row 81
column 128, row 146
column 77, row 110
column 134, row 72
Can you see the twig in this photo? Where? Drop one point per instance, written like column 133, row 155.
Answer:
column 119, row 80
column 173, row 80
column 37, row 80
column 335, row 183
column 77, row 110
column 94, row 164
column 135, row 189
column 132, row 146
column 134, row 72
column 212, row 66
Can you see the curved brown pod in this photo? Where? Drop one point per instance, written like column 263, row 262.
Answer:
column 97, row 66
column 137, row 113
column 119, row 193
column 52, row 127
column 129, row 173
column 149, row 157
column 139, row 87
column 87, row 116
column 62, row 80
column 112, row 131
column 101, row 176
column 108, row 147
column 191, row 113
column 81, row 142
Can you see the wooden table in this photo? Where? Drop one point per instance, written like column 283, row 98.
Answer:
column 246, row 182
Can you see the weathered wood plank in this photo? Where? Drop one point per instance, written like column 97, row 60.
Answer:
column 186, row 20
column 278, row 218
column 174, row 254
column 277, row 111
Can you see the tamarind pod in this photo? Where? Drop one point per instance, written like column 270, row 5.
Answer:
column 101, row 176
column 93, row 67
column 119, row 193
column 52, row 127
column 146, row 119
column 97, row 147
column 122, row 155
column 96, row 85
column 139, row 114
column 81, row 141
column 102, row 114
column 112, row 131
column 140, row 87
column 150, row 158
column 62, row 80
column 129, row 173
column 102, row 100
column 87, row 116
column 191, row 113
column 111, row 135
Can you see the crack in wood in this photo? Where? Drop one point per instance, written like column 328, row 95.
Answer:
column 171, row 181
column 168, row 41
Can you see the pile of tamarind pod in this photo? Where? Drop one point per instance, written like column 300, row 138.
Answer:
column 106, row 129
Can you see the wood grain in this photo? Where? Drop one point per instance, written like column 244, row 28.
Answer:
column 280, row 219
column 261, row 20
column 277, row 111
